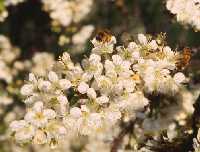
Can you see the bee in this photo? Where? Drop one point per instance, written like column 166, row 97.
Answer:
column 184, row 59
column 104, row 36
column 119, row 3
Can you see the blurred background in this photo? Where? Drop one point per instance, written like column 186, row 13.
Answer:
column 29, row 26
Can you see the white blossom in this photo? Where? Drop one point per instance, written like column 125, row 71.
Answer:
column 53, row 77
column 102, row 100
column 27, row 89
column 65, row 84
column 142, row 39
column 38, row 116
column 108, row 88
column 179, row 77
column 75, row 112
column 91, row 93
column 44, row 85
column 186, row 11
column 83, row 87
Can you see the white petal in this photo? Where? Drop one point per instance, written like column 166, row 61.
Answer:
column 53, row 77
column 32, row 78
column 91, row 93
column 39, row 137
column 142, row 38
column 38, row 106
column 16, row 125
column 95, row 58
column 102, row 100
column 83, row 87
column 27, row 89
column 153, row 45
column 179, row 77
column 25, row 134
column 65, row 84
column 63, row 99
column 44, row 85
column 117, row 59
column 85, row 108
column 75, row 112
column 49, row 113
column 29, row 116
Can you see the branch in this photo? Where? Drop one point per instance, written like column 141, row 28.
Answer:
column 119, row 139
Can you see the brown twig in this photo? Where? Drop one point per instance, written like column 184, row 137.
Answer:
column 118, row 140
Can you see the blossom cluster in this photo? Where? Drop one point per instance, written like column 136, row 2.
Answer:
column 13, row 71
column 9, row 68
column 66, row 12
column 66, row 18
column 186, row 11
column 78, row 39
column 93, row 96
column 41, row 63
column 6, row 60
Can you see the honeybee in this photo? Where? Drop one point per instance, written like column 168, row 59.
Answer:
column 104, row 36
column 119, row 3
column 184, row 59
